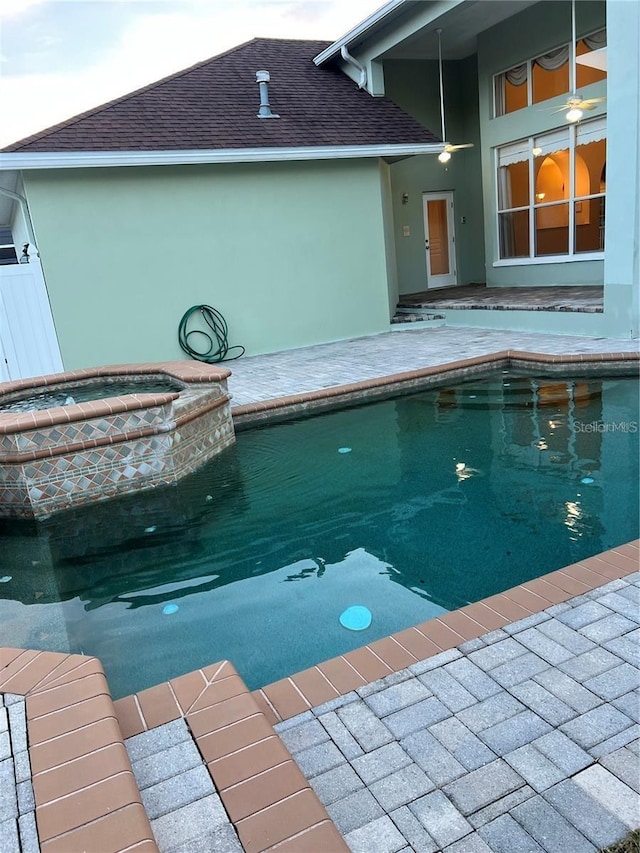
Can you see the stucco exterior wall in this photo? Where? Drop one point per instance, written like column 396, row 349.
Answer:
column 622, row 263
column 292, row 254
column 413, row 85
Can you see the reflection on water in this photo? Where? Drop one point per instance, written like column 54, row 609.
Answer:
column 444, row 497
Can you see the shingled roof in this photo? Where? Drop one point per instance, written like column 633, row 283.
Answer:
column 214, row 105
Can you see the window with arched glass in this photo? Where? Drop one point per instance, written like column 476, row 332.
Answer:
column 551, row 193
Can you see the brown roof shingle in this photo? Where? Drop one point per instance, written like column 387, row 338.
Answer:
column 214, row 105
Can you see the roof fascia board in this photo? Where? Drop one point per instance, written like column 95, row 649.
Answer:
column 374, row 36
column 103, row 159
column 360, row 31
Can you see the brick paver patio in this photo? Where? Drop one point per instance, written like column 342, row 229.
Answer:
column 525, row 739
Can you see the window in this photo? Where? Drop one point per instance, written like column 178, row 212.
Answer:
column 546, row 76
column 7, row 248
column 551, row 193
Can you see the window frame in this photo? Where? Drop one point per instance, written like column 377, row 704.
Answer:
column 571, row 255
column 529, row 63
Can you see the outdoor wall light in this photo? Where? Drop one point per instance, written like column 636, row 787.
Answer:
column 537, row 152
column 444, row 157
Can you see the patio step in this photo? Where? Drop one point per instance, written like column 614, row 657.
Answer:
column 478, row 297
column 86, row 796
column 213, row 772
column 191, row 761
column 413, row 315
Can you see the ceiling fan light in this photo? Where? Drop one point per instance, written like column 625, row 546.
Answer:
column 574, row 114
column 444, row 156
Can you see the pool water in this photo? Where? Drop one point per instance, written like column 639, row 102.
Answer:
column 71, row 394
column 409, row 507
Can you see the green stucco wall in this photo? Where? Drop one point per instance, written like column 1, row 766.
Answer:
column 414, row 86
column 533, row 31
column 292, row 254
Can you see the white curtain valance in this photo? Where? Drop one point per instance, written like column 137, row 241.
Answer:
column 554, row 59
column 517, row 76
column 516, row 152
column 596, row 40
column 558, row 140
column 591, row 131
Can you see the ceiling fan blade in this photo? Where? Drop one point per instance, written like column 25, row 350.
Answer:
column 458, row 147
column 590, row 103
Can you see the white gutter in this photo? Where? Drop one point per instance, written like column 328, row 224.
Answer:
column 358, row 31
column 101, row 159
column 344, row 53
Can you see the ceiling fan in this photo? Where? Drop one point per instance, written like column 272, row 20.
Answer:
column 575, row 105
column 445, row 154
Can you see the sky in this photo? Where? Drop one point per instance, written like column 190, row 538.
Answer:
column 60, row 57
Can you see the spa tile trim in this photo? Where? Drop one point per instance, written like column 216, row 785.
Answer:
column 280, row 408
column 85, row 793
column 56, row 415
column 291, row 696
column 266, row 796
column 87, row 412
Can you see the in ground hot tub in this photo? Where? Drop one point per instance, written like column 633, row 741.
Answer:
column 74, row 438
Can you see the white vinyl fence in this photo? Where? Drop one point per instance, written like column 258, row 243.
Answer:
column 28, row 340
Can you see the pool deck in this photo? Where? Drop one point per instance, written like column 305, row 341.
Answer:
column 510, row 725
column 259, row 380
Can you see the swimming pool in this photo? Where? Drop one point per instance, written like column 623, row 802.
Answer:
column 410, row 507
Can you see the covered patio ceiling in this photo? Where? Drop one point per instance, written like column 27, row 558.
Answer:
column 461, row 23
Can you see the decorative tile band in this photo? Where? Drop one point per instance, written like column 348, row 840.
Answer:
column 56, row 441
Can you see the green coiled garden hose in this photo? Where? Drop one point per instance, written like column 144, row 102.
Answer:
column 219, row 348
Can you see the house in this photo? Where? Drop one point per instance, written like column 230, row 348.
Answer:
column 304, row 201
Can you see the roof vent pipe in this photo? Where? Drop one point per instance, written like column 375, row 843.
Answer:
column 262, row 79
column 344, row 53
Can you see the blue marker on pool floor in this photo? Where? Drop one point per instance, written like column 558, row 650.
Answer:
column 356, row 618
